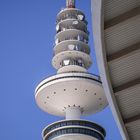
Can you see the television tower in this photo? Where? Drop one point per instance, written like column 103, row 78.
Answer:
column 72, row 92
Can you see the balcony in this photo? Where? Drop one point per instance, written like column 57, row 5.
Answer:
column 70, row 47
column 81, row 38
column 75, row 123
column 71, row 14
column 75, row 131
column 73, row 26
column 68, row 62
column 74, row 127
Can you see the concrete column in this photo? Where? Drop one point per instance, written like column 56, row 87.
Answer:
column 73, row 113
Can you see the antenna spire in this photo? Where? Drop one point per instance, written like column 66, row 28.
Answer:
column 70, row 3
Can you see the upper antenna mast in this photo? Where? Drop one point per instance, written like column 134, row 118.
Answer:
column 70, row 3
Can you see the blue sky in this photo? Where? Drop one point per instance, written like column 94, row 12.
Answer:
column 27, row 29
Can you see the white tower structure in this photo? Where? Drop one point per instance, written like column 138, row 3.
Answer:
column 72, row 92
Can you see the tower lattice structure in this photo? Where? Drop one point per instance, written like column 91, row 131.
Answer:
column 72, row 92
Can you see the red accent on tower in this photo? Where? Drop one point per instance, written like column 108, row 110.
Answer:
column 70, row 3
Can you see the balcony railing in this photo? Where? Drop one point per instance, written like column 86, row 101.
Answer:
column 77, row 37
column 72, row 27
column 74, row 123
column 68, row 62
column 72, row 47
column 71, row 16
column 83, row 131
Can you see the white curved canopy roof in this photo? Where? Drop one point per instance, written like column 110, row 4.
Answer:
column 117, row 43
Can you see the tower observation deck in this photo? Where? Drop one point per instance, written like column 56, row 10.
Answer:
column 72, row 92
